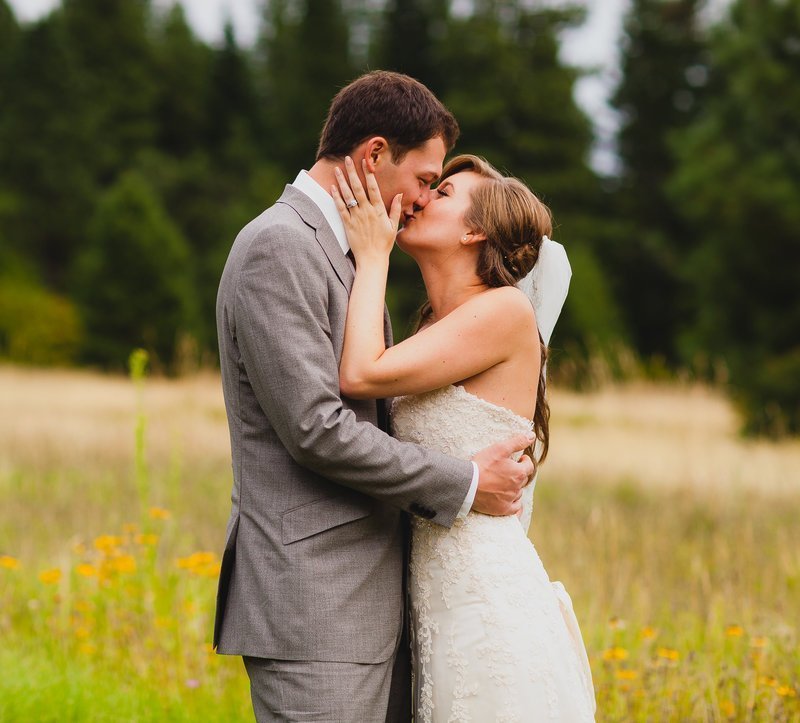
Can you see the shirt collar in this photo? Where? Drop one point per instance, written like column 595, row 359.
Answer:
column 323, row 200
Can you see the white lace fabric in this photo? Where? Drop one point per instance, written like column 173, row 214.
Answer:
column 493, row 638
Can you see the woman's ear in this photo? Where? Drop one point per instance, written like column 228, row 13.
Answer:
column 472, row 237
column 376, row 152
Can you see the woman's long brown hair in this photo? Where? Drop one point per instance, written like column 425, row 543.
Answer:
column 514, row 221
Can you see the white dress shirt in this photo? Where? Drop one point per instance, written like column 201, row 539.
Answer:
column 325, row 203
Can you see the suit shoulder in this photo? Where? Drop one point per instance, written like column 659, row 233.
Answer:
column 276, row 224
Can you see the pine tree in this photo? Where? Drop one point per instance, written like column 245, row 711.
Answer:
column 233, row 112
column 410, row 39
column 133, row 281
column 737, row 182
column 513, row 100
column 183, row 66
column 111, row 42
column 9, row 32
column 663, row 74
column 46, row 149
column 306, row 60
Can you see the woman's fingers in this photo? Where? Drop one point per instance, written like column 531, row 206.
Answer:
column 394, row 211
column 344, row 188
column 372, row 186
column 344, row 212
column 355, row 181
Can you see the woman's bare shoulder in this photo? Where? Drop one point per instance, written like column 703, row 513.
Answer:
column 507, row 304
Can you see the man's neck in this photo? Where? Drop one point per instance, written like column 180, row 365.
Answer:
column 323, row 173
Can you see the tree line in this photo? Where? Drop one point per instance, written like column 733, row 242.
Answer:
column 131, row 153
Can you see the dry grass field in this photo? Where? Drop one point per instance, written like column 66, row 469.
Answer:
column 678, row 540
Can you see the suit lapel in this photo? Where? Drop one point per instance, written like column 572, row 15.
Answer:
column 312, row 216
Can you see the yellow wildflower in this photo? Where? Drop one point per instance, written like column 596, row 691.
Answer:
column 615, row 654
column 766, row 680
column 626, row 674
column 82, row 632
column 759, row 642
column 124, row 563
column 786, row 691
column 734, row 631
column 727, row 708
column 87, row 649
column 107, row 543
column 668, row 654
column 86, row 570
column 9, row 563
column 200, row 563
column 50, row 577
column 211, row 570
column 146, row 539
column 648, row 632
column 159, row 513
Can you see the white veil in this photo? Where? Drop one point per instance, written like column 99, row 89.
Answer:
column 546, row 286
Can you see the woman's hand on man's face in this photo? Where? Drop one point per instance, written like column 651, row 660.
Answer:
column 370, row 230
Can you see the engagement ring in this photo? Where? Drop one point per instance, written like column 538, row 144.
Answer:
column 352, row 203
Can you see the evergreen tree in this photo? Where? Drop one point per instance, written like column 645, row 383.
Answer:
column 737, row 182
column 111, row 41
column 299, row 82
column 513, row 100
column 9, row 32
column 45, row 151
column 663, row 73
column 233, row 112
column 410, row 39
column 183, row 65
column 133, row 282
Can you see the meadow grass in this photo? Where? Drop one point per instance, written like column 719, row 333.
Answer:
column 678, row 541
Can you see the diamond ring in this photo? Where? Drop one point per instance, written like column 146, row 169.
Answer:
column 352, row 203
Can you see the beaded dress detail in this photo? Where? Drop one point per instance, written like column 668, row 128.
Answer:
column 493, row 639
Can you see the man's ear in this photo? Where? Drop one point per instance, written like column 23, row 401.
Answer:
column 377, row 152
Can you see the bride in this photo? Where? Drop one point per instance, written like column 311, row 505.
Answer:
column 493, row 638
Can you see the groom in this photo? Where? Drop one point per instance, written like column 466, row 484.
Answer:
column 311, row 591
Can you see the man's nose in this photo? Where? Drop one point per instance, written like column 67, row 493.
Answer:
column 423, row 199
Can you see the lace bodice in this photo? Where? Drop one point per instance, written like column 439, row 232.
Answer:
column 460, row 424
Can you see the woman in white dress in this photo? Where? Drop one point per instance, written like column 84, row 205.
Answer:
column 493, row 638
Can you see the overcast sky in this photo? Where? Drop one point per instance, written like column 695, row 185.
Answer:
column 593, row 45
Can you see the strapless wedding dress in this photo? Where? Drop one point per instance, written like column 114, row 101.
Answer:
column 493, row 639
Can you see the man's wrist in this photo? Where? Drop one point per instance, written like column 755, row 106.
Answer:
column 470, row 498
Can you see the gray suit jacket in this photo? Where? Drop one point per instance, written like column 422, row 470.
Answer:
column 313, row 560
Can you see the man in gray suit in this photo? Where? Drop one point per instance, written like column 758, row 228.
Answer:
column 311, row 591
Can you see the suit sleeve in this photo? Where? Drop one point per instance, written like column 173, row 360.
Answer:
column 284, row 337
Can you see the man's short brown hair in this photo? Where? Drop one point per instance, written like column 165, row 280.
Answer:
column 392, row 105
